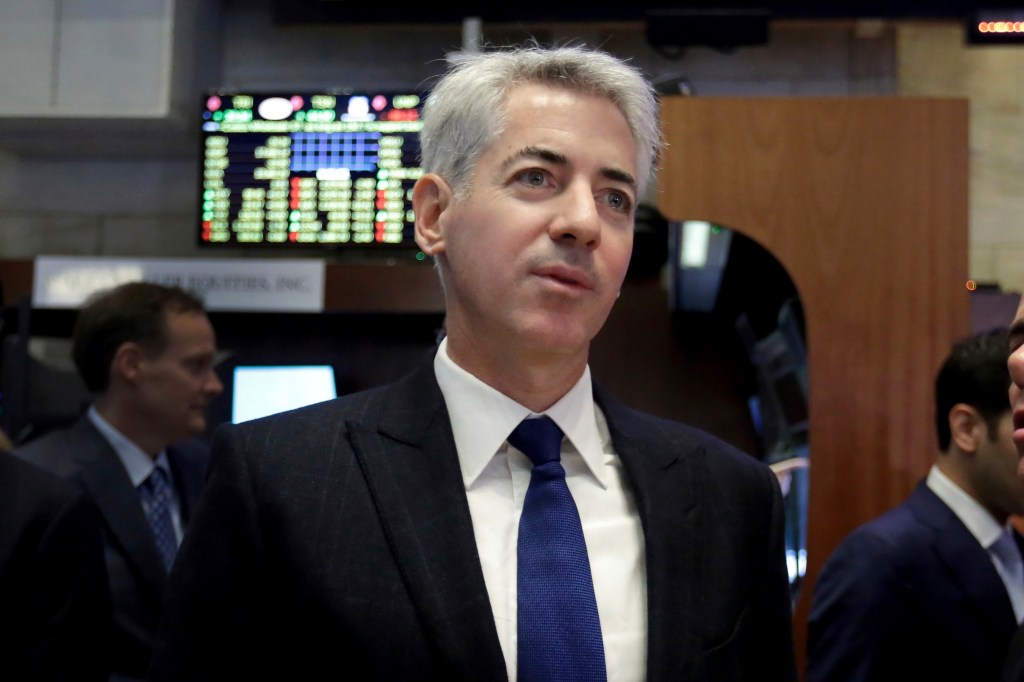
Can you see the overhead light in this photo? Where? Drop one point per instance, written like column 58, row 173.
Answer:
column 995, row 27
column 696, row 235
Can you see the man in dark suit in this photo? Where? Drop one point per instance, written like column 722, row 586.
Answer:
column 54, row 600
column 493, row 515
column 146, row 351
column 934, row 589
column 1013, row 671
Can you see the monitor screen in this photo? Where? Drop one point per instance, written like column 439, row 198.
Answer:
column 294, row 169
column 263, row 390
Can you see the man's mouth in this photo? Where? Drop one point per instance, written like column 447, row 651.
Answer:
column 566, row 275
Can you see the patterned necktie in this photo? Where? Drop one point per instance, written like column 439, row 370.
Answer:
column 559, row 629
column 155, row 493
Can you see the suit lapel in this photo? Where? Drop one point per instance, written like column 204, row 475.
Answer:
column 189, row 477
column 411, row 466
column 665, row 480
column 967, row 566
column 106, row 479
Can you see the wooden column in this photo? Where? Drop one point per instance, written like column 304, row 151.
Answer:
column 864, row 201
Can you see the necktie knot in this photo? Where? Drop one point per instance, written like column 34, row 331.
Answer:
column 539, row 439
column 156, row 484
column 1006, row 549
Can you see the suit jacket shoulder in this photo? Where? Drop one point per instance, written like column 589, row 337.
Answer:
column 902, row 586
column 135, row 570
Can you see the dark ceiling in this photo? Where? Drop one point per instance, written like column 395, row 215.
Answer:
column 347, row 11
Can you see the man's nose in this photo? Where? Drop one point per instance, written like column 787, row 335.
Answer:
column 1016, row 365
column 214, row 386
column 578, row 219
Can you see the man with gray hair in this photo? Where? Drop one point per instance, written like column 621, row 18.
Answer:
column 494, row 515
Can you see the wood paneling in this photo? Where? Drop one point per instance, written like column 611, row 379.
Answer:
column 864, row 201
column 15, row 279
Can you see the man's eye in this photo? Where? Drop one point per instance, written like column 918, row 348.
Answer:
column 197, row 366
column 534, row 178
column 618, row 201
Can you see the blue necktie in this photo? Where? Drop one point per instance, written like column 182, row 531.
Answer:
column 155, row 493
column 559, row 629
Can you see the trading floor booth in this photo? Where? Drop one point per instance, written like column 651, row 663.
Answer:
column 864, row 202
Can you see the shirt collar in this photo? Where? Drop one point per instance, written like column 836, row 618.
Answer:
column 136, row 462
column 482, row 418
column 981, row 524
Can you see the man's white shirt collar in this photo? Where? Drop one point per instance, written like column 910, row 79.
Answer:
column 482, row 418
column 137, row 463
column 981, row 524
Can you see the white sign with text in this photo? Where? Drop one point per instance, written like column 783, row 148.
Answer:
column 249, row 284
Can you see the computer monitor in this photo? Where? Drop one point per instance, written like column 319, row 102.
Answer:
column 262, row 390
column 294, row 170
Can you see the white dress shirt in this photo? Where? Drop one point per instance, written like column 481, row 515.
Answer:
column 137, row 463
column 985, row 529
column 496, row 477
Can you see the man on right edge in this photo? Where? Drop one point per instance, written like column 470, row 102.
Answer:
column 494, row 515
column 1014, row 669
column 934, row 589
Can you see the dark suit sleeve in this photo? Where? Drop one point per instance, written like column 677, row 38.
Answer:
column 745, row 595
column 216, row 606
column 761, row 646
column 858, row 627
column 55, row 613
column 773, row 613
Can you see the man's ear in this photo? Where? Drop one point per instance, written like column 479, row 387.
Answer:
column 431, row 197
column 126, row 365
column 966, row 427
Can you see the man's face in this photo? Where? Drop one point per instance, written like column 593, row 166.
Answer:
column 1016, row 365
column 996, row 482
column 537, row 249
column 176, row 385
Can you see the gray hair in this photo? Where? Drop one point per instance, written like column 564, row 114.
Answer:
column 465, row 111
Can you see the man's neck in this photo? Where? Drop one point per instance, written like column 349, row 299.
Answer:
column 954, row 471
column 535, row 380
column 122, row 419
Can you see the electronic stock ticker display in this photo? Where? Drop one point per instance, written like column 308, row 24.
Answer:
column 322, row 169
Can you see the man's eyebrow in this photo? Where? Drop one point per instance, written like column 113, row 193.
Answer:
column 619, row 176
column 550, row 156
column 539, row 153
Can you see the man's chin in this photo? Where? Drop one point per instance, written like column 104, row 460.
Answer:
column 195, row 427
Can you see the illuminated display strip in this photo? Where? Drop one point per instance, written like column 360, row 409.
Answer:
column 355, row 151
column 1001, row 26
column 303, row 126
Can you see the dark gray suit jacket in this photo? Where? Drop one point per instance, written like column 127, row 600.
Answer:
column 137, row 575
column 54, row 601
column 910, row 595
column 338, row 537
